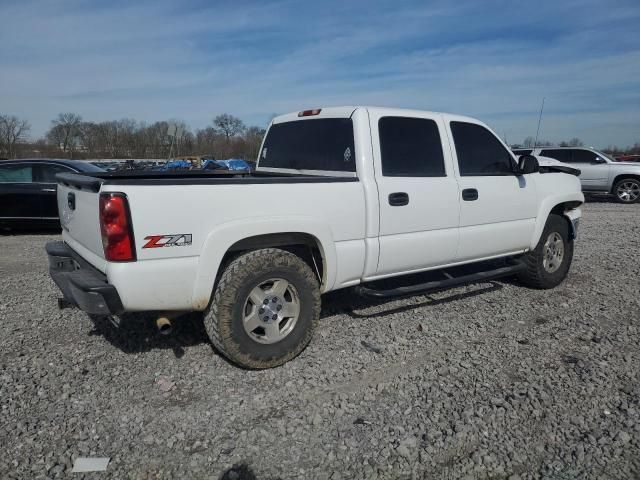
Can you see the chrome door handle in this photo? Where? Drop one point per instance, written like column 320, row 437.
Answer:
column 48, row 190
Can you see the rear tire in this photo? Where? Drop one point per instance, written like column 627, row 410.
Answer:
column 548, row 264
column 265, row 309
column 627, row 190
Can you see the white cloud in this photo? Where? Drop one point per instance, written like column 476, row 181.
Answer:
column 156, row 60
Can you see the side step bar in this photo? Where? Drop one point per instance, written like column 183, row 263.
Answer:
column 441, row 284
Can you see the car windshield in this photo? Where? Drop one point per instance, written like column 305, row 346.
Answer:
column 609, row 157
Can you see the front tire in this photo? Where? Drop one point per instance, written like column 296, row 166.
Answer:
column 548, row 264
column 627, row 190
column 265, row 309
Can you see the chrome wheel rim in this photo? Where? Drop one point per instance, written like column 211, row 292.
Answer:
column 271, row 311
column 553, row 252
column 628, row 191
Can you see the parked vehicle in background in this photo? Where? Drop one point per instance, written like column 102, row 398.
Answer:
column 628, row 158
column 28, row 190
column 600, row 173
column 233, row 164
column 175, row 165
column 341, row 197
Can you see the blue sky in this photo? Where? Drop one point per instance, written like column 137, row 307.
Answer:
column 192, row 60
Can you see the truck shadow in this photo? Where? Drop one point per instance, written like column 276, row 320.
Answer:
column 136, row 332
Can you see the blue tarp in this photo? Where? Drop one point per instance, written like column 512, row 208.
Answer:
column 230, row 164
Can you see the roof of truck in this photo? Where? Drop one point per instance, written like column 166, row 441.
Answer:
column 347, row 111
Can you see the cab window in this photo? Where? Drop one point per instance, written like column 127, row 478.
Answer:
column 16, row 173
column 410, row 147
column 47, row 173
column 560, row 154
column 584, row 156
column 479, row 152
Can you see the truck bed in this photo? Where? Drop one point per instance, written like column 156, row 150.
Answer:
column 189, row 177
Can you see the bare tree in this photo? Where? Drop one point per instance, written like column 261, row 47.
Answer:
column 88, row 137
column 575, row 142
column 127, row 138
column 65, row 131
column 13, row 130
column 253, row 140
column 229, row 125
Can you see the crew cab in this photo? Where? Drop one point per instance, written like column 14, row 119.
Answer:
column 600, row 173
column 341, row 197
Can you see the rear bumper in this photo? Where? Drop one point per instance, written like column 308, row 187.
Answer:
column 82, row 284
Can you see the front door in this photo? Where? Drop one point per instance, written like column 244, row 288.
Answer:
column 594, row 170
column 19, row 195
column 497, row 208
column 418, row 193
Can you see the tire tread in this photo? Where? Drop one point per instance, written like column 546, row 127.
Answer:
column 218, row 315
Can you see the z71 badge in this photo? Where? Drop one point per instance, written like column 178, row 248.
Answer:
column 176, row 240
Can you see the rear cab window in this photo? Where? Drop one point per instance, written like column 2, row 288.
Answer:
column 322, row 145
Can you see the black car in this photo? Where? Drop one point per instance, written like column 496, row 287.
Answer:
column 28, row 190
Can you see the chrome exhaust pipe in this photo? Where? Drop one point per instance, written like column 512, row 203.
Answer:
column 163, row 324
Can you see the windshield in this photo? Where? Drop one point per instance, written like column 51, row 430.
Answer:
column 609, row 157
column 324, row 144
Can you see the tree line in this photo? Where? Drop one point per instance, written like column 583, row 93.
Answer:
column 227, row 137
column 72, row 137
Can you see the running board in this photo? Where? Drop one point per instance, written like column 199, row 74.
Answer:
column 442, row 284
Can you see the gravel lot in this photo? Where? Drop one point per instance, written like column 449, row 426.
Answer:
column 489, row 381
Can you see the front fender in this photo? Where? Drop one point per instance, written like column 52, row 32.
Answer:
column 224, row 236
column 548, row 204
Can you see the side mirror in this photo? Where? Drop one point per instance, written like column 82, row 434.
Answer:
column 599, row 160
column 528, row 164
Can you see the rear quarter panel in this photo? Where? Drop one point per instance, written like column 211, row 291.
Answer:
column 216, row 217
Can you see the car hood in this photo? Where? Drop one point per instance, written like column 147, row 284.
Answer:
column 553, row 165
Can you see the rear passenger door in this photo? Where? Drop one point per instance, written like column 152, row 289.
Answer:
column 418, row 193
column 497, row 208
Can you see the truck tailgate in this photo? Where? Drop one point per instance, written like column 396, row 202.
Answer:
column 79, row 216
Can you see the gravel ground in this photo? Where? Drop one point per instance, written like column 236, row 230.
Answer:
column 489, row 381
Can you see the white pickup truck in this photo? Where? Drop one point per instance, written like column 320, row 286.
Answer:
column 341, row 197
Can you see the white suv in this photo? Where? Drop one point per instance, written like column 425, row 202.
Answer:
column 600, row 173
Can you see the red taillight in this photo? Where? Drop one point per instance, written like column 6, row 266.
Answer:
column 309, row 113
column 115, row 225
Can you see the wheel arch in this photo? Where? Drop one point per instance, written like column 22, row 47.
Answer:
column 568, row 208
column 313, row 243
column 622, row 176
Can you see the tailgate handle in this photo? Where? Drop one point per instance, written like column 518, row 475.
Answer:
column 71, row 200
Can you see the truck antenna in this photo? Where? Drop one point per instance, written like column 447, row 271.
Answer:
column 535, row 142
